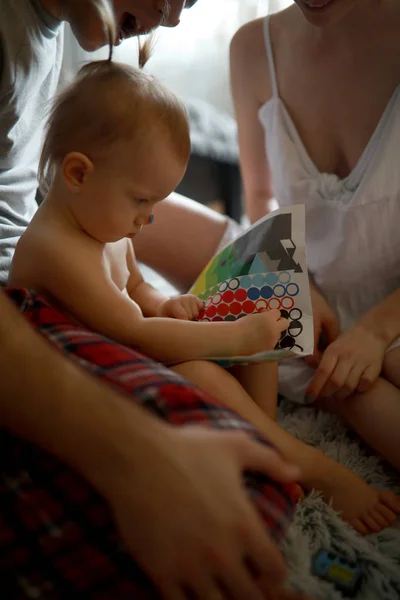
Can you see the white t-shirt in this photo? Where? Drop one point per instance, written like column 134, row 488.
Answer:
column 31, row 46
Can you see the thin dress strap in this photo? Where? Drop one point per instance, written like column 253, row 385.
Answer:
column 268, row 47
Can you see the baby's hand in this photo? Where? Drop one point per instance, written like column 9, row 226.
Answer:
column 260, row 332
column 186, row 307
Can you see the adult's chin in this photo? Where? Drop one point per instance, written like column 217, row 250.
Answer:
column 88, row 27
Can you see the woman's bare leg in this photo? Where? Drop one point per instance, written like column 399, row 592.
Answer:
column 182, row 239
column 364, row 507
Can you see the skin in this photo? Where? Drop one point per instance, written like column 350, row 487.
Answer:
column 196, row 242
column 124, row 444
column 335, row 121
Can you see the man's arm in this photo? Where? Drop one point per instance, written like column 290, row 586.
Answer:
column 147, row 470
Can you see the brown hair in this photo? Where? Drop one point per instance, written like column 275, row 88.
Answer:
column 111, row 102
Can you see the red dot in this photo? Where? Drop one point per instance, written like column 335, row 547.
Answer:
column 227, row 296
column 202, row 315
column 217, row 318
column 222, row 309
column 211, row 311
column 235, row 308
column 249, row 307
column 240, row 295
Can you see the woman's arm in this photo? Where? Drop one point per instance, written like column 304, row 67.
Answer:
column 249, row 85
column 358, row 353
column 384, row 319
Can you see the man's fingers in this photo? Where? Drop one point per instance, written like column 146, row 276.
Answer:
column 263, row 459
column 264, row 559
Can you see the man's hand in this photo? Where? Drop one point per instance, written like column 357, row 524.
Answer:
column 326, row 326
column 184, row 515
column 351, row 363
column 186, row 307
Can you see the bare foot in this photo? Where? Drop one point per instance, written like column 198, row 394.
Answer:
column 367, row 509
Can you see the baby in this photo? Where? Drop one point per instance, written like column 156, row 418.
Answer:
column 117, row 143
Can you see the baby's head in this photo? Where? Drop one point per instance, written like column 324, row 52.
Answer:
column 117, row 142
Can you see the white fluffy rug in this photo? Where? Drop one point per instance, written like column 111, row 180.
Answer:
column 316, row 525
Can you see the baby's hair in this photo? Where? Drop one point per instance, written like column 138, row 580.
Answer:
column 108, row 103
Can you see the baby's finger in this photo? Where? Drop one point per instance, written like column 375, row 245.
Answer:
column 199, row 303
column 179, row 312
column 196, row 306
column 282, row 324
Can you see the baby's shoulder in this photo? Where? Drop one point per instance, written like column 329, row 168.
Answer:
column 45, row 248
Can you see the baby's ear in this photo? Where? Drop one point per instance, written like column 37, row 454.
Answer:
column 75, row 168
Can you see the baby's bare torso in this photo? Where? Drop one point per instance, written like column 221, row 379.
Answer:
column 113, row 261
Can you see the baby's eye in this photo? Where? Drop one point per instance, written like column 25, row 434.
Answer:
column 141, row 200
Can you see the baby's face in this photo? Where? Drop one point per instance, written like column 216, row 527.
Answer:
column 118, row 198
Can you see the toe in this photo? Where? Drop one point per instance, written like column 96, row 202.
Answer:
column 370, row 522
column 360, row 527
column 386, row 512
column 391, row 500
column 379, row 518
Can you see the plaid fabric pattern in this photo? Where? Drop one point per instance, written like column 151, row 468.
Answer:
column 57, row 538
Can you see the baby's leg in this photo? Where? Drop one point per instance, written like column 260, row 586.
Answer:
column 375, row 415
column 260, row 380
column 364, row 507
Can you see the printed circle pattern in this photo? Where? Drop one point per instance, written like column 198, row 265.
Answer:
column 253, row 293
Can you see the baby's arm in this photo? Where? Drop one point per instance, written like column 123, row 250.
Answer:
column 152, row 302
column 87, row 291
column 148, row 298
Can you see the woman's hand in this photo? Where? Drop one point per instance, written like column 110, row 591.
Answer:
column 326, row 326
column 353, row 362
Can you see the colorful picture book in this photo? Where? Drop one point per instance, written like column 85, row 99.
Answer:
column 264, row 268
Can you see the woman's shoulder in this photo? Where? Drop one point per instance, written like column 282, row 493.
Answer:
column 248, row 58
column 249, row 48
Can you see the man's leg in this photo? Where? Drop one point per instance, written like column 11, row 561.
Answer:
column 182, row 239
